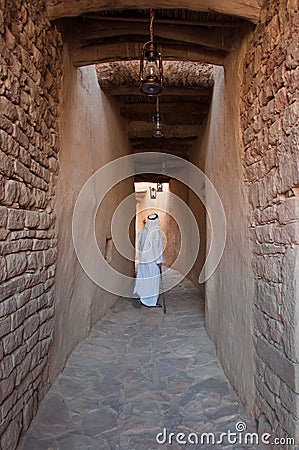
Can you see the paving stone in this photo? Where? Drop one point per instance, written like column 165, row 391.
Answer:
column 55, row 418
column 82, row 442
column 84, row 404
column 204, row 358
column 107, row 387
column 137, row 373
column 79, row 373
column 95, row 422
column 36, row 443
column 143, row 439
column 114, row 403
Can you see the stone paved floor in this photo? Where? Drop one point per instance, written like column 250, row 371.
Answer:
column 138, row 373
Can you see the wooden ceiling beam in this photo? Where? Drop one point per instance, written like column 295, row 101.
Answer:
column 125, row 50
column 176, row 152
column 93, row 31
column 139, row 129
column 168, row 90
column 171, row 144
column 151, row 178
column 165, row 108
column 247, row 9
column 189, row 23
column 184, row 155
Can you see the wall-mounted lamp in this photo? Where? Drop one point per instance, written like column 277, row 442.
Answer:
column 157, row 122
column 159, row 187
column 153, row 193
column 151, row 70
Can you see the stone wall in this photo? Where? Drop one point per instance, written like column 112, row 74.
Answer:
column 270, row 113
column 30, row 62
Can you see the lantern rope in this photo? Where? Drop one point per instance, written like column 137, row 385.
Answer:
column 152, row 25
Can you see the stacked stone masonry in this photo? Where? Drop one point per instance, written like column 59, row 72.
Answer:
column 270, row 117
column 30, row 65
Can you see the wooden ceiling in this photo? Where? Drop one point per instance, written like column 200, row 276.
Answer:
column 119, row 35
column 191, row 40
column 184, row 103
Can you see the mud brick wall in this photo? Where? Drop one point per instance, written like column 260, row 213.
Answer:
column 30, row 72
column 270, row 117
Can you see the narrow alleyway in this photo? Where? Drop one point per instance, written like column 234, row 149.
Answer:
column 138, row 373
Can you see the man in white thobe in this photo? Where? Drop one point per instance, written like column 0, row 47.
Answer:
column 150, row 260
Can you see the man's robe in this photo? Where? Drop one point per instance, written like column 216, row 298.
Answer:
column 150, row 255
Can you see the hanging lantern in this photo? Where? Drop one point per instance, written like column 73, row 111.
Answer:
column 157, row 122
column 153, row 193
column 151, row 70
